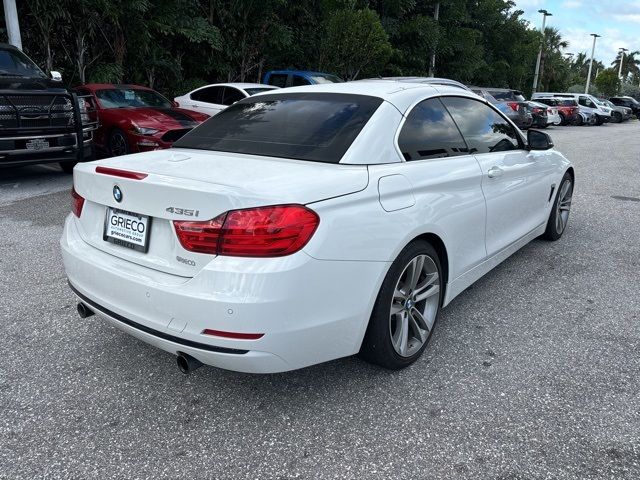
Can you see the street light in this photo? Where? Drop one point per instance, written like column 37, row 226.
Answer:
column 621, row 50
column 593, row 50
column 11, row 20
column 545, row 14
column 432, row 63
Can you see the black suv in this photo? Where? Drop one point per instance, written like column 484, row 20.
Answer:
column 629, row 102
column 40, row 120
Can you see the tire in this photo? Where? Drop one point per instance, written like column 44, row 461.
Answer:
column 599, row 120
column 396, row 340
column 579, row 121
column 563, row 119
column 559, row 216
column 67, row 167
column 118, row 144
column 617, row 117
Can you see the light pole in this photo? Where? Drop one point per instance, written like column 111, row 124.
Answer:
column 432, row 63
column 11, row 19
column 545, row 14
column 593, row 50
column 621, row 50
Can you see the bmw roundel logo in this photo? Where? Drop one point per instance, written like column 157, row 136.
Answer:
column 117, row 193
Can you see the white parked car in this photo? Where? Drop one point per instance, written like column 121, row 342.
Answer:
column 311, row 223
column 212, row 99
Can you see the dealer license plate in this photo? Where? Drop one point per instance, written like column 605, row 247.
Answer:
column 127, row 229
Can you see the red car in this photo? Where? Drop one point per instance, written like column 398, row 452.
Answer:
column 567, row 108
column 136, row 119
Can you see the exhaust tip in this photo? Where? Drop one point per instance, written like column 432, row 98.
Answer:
column 84, row 311
column 187, row 364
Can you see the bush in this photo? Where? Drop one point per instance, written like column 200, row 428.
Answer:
column 630, row 90
column 579, row 88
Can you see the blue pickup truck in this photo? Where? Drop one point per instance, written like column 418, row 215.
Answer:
column 296, row 78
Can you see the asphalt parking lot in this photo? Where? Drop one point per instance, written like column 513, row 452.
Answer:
column 532, row 373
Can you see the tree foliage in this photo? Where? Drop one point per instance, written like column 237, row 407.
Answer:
column 174, row 45
column 608, row 82
column 355, row 41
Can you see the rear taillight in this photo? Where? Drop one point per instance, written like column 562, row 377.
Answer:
column 515, row 106
column 272, row 231
column 78, row 203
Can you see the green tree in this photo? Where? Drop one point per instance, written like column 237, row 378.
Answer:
column 608, row 82
column 630, row 64
column 355, row 43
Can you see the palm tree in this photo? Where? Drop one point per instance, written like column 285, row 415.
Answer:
column 551, row 48
column 630, row 64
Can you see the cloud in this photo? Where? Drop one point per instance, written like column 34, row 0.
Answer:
column 573, row 4
column 627, row 17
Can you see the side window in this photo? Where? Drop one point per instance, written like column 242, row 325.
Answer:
column 585, row 102
column 278, row 79
column 429, row 132
column 231, row 96
column 299, row 81
column 208, row 95
column 482, row 127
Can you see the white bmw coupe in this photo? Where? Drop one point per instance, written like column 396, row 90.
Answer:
column 311, row 223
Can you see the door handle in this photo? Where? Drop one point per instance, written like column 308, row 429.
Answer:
column 494, row 172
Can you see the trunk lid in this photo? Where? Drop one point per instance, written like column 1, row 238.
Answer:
column 183, row 184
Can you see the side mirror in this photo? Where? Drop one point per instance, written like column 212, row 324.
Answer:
column 174, row 104
column 538, row 140
column 56, row 76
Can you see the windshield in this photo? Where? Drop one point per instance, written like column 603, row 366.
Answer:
column 253, row 91
column 318, row 127
column 16, row 63
column 325, row 78
column 131, row 98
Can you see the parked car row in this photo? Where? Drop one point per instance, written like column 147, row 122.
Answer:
column 115, row 120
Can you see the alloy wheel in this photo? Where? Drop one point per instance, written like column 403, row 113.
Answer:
column 118, row 144
column 564, row 205
column 414, row 305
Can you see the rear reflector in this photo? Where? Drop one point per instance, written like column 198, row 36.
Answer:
column 78, row 202
column 237, row 336
column 115, row 172
column 273, row 231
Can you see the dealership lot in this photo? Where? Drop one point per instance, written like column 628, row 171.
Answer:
column 531, row 373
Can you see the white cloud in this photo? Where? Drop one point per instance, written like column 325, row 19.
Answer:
column 572, row 4
column 631, row 17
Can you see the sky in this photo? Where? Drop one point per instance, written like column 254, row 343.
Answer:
column 618, row 21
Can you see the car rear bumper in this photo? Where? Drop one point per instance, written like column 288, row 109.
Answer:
column 309, row 310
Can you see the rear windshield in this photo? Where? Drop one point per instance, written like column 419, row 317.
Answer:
column 318, row 127
column 325, row 78
column 253, row 91
column 508, row 95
